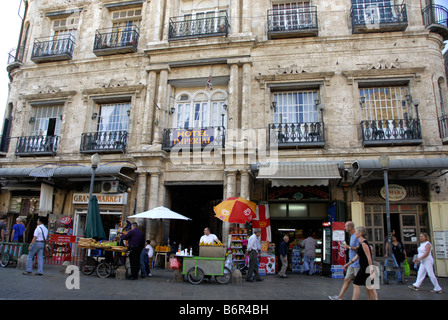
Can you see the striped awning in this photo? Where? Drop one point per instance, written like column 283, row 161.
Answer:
column 299, row 173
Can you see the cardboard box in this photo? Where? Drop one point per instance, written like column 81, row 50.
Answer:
column 212, row 251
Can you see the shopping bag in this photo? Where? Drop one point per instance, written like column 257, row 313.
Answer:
column 174, row 264
column 407, row 268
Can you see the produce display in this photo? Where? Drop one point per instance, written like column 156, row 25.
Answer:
column 89, row 243
column 163, row 248
column 215, row 244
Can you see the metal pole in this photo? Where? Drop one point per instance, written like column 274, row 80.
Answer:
column 389, row 239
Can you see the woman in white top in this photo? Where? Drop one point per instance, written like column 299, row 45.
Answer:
column 424, row 258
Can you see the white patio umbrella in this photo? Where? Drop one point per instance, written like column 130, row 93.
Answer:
column 159, row 213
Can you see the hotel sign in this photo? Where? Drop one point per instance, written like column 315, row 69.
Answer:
column 192, row 137
column 396, row 192
column 116, row 198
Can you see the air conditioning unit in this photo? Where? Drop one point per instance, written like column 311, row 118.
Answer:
column 109, row 187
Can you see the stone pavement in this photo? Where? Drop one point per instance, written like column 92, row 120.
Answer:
column 52, row 286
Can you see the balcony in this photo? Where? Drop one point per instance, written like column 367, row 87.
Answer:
column 391, row 132
column 180, row 28
column 15, row 58
column 300, row 22
column 37, row 146
column 435, row 18
column 443, row 128
column 379, row 18
column 305, row 135
column 104, row 142
column 53, row 49
column 212, row 137
column 120, row 40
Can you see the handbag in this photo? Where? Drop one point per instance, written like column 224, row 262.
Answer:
column 407, row 268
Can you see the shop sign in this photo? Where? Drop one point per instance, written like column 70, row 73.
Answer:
column 299, row 193
column 62, row 238
column 192, row 137
column 441, row 244
column 396, row 192
column 83, row 198
column 410, row 234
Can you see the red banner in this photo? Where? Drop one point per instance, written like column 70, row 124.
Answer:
column 62, row 238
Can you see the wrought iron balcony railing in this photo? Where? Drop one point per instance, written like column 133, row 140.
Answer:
column 306, row 134
column 443, row 128
column 37, row 146
column 116, row 40
column 53, row 48
column 299, row 22
column 180, row 28
column 15, row 57
column 387, row 132
column 104, row 142
column 378, row 18
column 435, row 18
column 194, row 138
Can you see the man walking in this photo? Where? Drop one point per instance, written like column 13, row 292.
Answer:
column 253, row 248
column 37, row 246
column 353, row 268
column 310, row 245
column 136, row 242
column 284, row 256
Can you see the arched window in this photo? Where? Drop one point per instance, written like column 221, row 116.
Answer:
column 200, row 110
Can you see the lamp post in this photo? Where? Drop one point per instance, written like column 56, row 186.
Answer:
column 94, row 160
column 384, row 163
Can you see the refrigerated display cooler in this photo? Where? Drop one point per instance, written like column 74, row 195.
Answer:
column 333, row 251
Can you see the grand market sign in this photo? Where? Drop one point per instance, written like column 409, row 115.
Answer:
column 396, row 192
column 116, row 198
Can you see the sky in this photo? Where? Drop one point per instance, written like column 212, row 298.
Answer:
column 10, row 23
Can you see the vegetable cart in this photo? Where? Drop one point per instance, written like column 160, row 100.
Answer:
column 11, row 251
column 196, row 268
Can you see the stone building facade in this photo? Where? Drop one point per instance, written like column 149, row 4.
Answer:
column 286, row 103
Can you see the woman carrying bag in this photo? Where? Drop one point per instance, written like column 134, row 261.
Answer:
column 424, row 258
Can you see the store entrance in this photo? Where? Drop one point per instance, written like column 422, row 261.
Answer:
column 195, row 202
column 296, row 230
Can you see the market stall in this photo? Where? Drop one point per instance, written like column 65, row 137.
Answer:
column 102, row 257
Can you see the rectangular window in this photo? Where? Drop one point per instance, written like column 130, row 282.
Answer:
column 47, row 121
column 384, row 103
column 114, row 117
column 295, row 107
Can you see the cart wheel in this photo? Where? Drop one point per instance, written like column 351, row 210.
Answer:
column 195, row 275
column 104, row 270
column 225, row 278
column 4, row 260
column 87, row 269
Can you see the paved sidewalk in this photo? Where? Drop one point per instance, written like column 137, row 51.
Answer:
column 52, row 286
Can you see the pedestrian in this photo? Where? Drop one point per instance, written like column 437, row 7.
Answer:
column 145, row 258
column 353, row 269
column 366, row 271
column 136, row 242
column 310, row 245
column 253, row 249
column 3, row 228
column 284, row 256
column 18, row 231
column 398, row 255
column 37, row 246
column 426, row 261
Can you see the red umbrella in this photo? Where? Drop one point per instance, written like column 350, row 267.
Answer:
column 236, row 210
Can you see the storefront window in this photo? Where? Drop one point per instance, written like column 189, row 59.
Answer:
column 277, row 210
column 298, row 210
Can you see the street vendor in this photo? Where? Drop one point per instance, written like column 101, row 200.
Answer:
column 136, row 242
column 208, row 237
